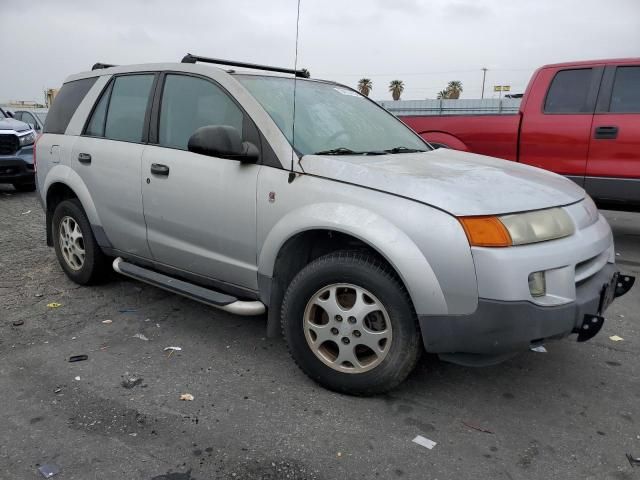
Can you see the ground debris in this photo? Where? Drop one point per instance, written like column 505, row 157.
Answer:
column 424, row 442
column 476, row 427
column 131, row 382
column 634, row 462
column 54, row 305
column 78, row 358
column 48, row 470
column 187, row 397
column 141, row 337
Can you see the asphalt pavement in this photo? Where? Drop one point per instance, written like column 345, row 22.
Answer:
column 570, row 413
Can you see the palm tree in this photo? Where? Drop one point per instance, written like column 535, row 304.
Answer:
column 443, row 94
column 396, row 87
column 454, row 88
column 364, row 86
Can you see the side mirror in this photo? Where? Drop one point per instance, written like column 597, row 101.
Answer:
column 222, row 141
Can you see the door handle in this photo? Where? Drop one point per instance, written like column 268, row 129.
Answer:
column 159, row 169
column 608, row 132
column 84, row 158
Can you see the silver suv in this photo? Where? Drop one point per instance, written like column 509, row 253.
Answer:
column 364, row 245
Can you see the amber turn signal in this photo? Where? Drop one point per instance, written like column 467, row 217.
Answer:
column 485, row 231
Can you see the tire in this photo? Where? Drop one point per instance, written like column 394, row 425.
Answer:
column 92, row 267
column 348, row 275
column 25, row 187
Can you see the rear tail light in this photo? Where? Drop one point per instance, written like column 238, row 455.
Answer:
column 35, row 163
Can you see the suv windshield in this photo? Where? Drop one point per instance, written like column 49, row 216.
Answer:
column 331, row 119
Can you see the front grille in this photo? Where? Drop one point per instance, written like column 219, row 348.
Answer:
column 8, row 144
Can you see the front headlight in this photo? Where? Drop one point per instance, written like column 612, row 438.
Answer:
column 518, row 228
column 27, row 139
column 538, row 226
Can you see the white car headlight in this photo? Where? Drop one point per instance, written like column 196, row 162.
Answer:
column 538, row 226
column 27, row 139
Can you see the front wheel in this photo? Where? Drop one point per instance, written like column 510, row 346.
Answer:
column 76, row 248
column 350, row 325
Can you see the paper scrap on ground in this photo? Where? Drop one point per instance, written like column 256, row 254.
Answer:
column 107, row 322
column 425, row 442
column 539, row 349
column 26, row 213
column 48, row 470
column 54, row 305
column 186, row 396
column 615, row 338
column 141, row 337
column 175, row 349
column 77, row 379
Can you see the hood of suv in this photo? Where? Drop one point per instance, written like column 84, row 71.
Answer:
column 13, row 124
column 457, row 182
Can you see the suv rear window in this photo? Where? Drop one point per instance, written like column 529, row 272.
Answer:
column 569, row 92
column 66, row 103
column 625, row 96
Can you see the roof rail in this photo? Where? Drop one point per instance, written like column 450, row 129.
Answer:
column 98, row 66
column 188, row 58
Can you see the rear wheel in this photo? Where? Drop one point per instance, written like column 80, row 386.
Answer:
column 350, row 325
column 76, row 248
column 25, row 187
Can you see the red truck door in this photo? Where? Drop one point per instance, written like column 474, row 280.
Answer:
column 613, row 167
column 556, row 124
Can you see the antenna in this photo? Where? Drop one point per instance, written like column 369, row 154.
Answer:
column 295, row 84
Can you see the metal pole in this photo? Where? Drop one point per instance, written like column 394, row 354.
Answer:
column 484, row 75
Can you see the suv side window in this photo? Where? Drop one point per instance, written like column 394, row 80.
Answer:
column 95, row 128
column 569, row 92
column 66, row 103
column 121, row 111
column 128, row 108
column 625, row 96
column 189, row 103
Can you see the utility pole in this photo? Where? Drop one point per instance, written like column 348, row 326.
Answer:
column 484, row 75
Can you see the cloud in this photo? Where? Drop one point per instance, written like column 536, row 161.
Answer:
column 425, row 43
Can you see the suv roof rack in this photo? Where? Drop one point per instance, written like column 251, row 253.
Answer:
column 189, row 58
column 98, row 66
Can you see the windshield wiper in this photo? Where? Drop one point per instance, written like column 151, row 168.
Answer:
column 404, row 150
column 347, row 151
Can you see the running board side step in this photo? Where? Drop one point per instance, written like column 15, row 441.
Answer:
column 213, row 298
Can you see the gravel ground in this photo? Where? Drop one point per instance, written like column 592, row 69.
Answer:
column 570, row 413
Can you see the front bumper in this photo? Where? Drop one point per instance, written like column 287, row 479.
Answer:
column 499, row 328
column 18, row 168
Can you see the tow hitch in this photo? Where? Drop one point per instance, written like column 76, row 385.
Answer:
column 592, row 324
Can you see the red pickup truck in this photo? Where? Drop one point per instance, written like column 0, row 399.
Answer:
column 579, row 119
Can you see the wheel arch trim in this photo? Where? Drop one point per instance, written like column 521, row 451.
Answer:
column 373, row 230
column 63, row 175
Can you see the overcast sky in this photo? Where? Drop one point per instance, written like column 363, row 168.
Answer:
column 425, row 43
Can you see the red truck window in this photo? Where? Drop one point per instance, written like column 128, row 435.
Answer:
column 625, row 96
column 569, row 92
